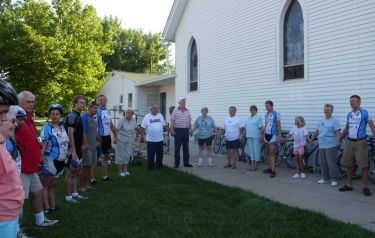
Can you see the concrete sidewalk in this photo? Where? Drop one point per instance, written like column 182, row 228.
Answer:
column 351, row 206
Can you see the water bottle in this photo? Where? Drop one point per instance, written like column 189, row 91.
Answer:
column 314, row 169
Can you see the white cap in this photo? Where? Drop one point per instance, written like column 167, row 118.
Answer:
column 181, row 98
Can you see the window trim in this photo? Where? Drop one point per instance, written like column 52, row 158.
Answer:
column 280, row 42
column 188, row 82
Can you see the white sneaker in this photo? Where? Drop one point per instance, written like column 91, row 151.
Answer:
column 200, row 162
column 126, row 174
column 303, row 175
column 80, row 197
column 47, row 222
column 322, row 181
column 333, row 183
column 296, row 176
column 210, row 164
column 122, row 175
column 72, row 200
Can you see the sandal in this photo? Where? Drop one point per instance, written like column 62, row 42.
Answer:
column 253, row 169
column 250, row 168
column 366, row 192
column 345, row 188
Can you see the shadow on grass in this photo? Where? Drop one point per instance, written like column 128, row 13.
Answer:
column 171, row 203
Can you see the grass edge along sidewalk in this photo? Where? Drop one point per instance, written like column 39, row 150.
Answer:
column 171, row 203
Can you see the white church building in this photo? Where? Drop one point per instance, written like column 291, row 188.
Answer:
column 301, row 54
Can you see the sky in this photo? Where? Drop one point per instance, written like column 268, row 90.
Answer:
column 149, row 15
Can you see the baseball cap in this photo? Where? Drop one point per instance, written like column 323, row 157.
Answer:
column 181, row 98
column 91, row 104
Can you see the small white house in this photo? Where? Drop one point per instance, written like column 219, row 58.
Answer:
column 138, row 91
column 301, row 54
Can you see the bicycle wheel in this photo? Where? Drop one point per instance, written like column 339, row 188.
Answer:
column 217, row 145
column 290, row 157
column 242, row 148
column 223, row 147
column 263, row 154
column 278, row 154
column 317, row 160
column 166, row 142
column 278, row 159
column 342, row 169
column 371, row 167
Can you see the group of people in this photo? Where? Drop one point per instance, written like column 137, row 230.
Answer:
column 328, row 131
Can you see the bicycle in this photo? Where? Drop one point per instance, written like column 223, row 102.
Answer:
column 166, row 140
column 371, row 160
column 217, row 142
column 357, row 172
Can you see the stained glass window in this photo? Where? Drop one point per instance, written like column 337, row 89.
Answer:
column 193, row 67
column 293, row 42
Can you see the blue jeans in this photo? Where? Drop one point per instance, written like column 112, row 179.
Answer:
column 181, row 137
column 152, row 149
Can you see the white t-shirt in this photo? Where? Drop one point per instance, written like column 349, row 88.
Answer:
column 299, row 136
column 232, row 127
column 154, row 127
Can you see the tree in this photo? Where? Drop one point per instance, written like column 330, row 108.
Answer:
column 54, row 51
column 133, row 50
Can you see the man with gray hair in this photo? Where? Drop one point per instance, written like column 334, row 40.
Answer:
column 28, row 136
column 154, row 123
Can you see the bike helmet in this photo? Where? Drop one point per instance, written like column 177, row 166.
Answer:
column 20, row 112
column 8, row 96
column 55, row 107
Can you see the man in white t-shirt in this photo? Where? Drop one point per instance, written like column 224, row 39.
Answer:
column 154, row 123
column 232, row 127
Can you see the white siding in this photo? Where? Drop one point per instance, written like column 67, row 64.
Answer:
column 142, row 109
column 236, row 43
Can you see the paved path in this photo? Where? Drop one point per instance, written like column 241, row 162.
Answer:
column 352, row 206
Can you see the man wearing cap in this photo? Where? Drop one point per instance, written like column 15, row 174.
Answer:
column 180, row 127
column 31, row 154
column 90, row 138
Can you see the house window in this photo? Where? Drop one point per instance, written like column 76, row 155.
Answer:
column 193, row 67
column 130, row 100
column 293, row 36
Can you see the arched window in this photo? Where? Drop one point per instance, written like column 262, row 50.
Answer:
column 293, row 42
column 193, row 63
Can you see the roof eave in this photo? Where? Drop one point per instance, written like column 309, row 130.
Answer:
column 173, row 20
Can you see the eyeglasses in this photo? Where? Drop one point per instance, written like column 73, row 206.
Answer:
column 29, row 102
column 252, row 110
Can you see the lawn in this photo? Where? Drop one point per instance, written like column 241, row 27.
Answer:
column 171, row 203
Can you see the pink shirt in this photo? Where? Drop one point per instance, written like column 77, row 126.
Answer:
column 181, row 118
column 11, row 189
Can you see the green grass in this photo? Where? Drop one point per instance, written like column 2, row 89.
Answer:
column 171, row 203
column 38, row 125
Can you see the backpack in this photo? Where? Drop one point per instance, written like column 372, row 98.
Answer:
column 14, row 152
column 64, row 121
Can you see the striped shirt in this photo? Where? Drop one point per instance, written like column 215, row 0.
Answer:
column 181, row 118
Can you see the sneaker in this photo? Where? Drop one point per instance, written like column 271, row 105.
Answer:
column 93, row 182
column 303, row 175
column 322, row 181
column 107, row 179
column 227, row 166
column 72, row 201
column 80, row 197
column 296, row 176
column 22, row 235
column 273, row 174
column 233, row 166
column 127, row 173
column 210, row 164
column 333, row 183
column 49, row 212
column 122, row 175
column 47, row 222
column 200, row 162
column 266, row 171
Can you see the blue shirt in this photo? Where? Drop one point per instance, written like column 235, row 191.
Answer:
column 204, row 125
column 327, row 132
column 271, row 122
column 253, row 125
column 56, row 141
column 358, row 123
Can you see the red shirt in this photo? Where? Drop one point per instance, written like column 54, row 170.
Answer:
column 11, row 189
column 29, row 147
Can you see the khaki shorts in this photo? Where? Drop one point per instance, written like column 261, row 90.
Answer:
column 31, row 183
column 355, row 151
column 89, row 158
